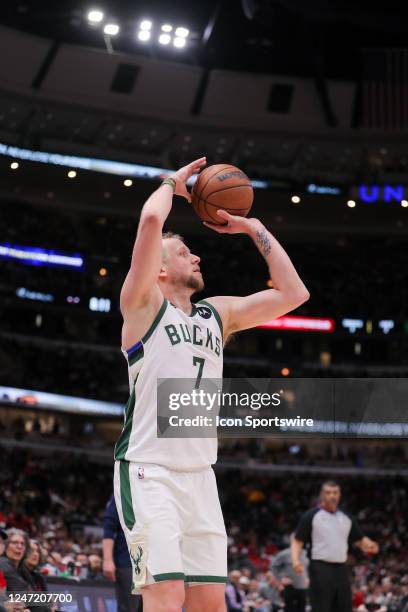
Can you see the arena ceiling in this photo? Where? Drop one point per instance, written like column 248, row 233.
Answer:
column 318, row 38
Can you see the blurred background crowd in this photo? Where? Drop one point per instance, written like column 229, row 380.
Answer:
column 59, row 511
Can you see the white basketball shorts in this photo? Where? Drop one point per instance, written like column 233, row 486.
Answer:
column 173, row 524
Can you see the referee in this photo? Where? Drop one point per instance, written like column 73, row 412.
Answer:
column 330, row 532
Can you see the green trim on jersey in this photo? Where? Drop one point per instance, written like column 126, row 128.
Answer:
column 122, row 444
column 201, row 578
column 139, row 354
column 169, row 576
column 215, row 313
column 156, row 321
column 126, row 495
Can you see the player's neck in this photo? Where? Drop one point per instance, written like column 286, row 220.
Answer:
column 181, row 299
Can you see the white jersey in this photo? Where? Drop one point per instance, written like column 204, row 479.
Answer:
column 170, row 349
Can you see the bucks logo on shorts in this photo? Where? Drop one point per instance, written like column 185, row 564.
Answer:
column 137, row 559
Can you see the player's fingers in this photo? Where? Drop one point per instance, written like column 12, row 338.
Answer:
column 224, row 214
column 198, row 163
column 217, row 228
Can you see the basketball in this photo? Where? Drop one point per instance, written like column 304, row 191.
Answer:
column 222, row 186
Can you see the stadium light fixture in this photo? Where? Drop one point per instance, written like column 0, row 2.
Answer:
column 351, row 204
column 95, row 16
column 111, row 29
column 179, row 42
column 14, row 165
column 182, row 32
column 166, row 27
column 128, row 182
column 295, row 199
column 404, row 203
column 146, row 25
column 164, row 39
column 72, row 174
column 144, row 35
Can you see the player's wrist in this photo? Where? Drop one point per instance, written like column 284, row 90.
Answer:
column 169, row 180
column 254, row 227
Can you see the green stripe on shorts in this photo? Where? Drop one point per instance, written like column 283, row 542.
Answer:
column 169, row 576
column 126, row 495
column 201, row 578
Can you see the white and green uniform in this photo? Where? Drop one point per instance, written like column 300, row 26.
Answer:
column 165, row 488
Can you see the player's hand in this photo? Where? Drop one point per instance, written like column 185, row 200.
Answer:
column 235, row 224
column 182, row 176
column 298, row 568
column 109, row 570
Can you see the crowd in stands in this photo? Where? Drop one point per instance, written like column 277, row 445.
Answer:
column 62, row 431
column 61, row 505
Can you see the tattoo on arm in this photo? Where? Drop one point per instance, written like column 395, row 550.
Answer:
column 263, row 242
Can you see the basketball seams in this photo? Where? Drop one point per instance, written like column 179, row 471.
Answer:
column 206, row 202
column 211, row 177
column 226, row 188
column 208, row 212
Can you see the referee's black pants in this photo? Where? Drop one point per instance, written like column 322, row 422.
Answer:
column 295, row 599
column 330, row 589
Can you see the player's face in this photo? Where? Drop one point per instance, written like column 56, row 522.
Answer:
column 181, row 266
column 330, row 497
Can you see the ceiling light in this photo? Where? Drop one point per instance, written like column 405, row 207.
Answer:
column 111, row 29
column 166, row 27
column 72, row 174
column 295, row 199
column 128, row 182
column 179, row 42
column 164, row 39
column 146, row 24
column 143, row 35
column 14, row 165
column 95, row 16
column 404, row 203
column 182, row 32
column 351, row 204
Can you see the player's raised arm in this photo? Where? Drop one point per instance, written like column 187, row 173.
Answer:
column 288, row 293
column 141, row 280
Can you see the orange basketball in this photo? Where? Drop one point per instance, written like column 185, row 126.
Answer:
column 222, row 186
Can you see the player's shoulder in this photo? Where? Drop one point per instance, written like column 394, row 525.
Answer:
column 209, row 308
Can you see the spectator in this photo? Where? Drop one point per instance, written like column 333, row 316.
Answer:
column 294, row 585
column 269, row 590
column 16, row 546
column 3, row 538
column 11, row 567
column 31, row 563
column 234, row 595
column 95, row 568
column 116, row 561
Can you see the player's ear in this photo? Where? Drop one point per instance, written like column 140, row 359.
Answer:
column 163, row 273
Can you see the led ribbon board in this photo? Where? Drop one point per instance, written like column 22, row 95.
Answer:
column 36, row 256
column 300, row 324
column 98, row 165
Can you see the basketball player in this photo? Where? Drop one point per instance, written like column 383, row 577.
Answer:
column 165, row 489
